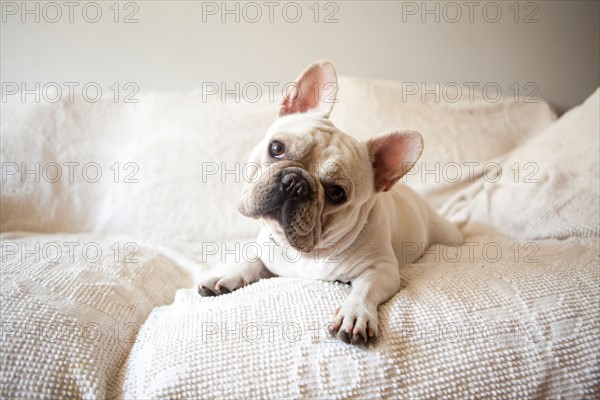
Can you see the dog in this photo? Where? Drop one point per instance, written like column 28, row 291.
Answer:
column 321, row 192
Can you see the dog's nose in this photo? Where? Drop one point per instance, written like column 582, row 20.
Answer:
column 295, row 185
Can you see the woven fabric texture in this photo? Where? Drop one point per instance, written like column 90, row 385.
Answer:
column 71, row 308
column 492, row 318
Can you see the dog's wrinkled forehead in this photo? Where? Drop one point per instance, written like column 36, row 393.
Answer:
column 314, row 141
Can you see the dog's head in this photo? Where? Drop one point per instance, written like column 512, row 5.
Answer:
column 313, row 181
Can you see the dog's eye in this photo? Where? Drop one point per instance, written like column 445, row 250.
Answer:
column 336, row 194
column 276, row 149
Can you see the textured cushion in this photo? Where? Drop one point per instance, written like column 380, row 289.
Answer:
column 469, row 323
column 549, row 185
column 181, row 159
column 70, row 312
column 462, row 130
column 172, row 150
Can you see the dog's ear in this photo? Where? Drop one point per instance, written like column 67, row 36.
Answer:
column 314, row 90
column 393, row 155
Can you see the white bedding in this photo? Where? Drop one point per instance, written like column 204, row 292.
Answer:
column 472, row 328
column 524, row 290
column 70, row 313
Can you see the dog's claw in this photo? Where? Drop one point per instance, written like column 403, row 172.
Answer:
column 333, row 330
column 354, row 324
column 358, row 338
column 206, row 292
column 224, row 290
column 344, row 337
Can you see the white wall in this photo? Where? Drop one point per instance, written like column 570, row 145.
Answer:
column 171, row 48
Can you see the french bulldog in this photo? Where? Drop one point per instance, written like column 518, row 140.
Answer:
column 327, row 196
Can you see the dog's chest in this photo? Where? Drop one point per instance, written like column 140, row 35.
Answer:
column 283, row 260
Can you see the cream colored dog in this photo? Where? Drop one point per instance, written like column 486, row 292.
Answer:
column 335, row 202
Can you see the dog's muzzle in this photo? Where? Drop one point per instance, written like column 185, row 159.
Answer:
column 294, row 185
column 290, row 199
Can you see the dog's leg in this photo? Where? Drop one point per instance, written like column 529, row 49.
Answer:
column 356, row 321
column 225, row 278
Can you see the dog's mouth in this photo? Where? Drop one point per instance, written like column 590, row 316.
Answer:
column 299, row 225
column 289, row 199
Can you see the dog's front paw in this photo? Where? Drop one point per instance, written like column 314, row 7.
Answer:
column 225, row 278
column 355, row 323
column 218, row 285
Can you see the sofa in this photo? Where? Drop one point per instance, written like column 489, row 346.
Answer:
column 110, row 211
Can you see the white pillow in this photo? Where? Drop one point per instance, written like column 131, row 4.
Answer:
column 549, row 185
column 182, row 148
column 71, row 313
column 463, row 130
column 172, row 150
